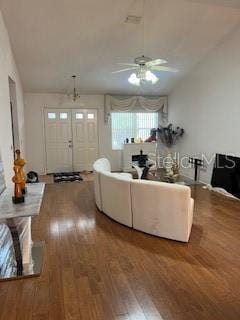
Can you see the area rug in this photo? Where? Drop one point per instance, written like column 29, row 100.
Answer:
column 67, row 177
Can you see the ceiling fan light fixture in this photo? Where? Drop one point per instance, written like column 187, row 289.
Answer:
column 142, row 77
column 134, row 80
column 151, row 77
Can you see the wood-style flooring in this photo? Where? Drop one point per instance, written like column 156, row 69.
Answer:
column 95, row 268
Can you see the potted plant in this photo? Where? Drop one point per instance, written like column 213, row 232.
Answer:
column 166, row 138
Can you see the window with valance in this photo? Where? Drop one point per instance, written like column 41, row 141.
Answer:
column 134, row 116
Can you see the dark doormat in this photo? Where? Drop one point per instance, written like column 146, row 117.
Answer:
column 67, row 177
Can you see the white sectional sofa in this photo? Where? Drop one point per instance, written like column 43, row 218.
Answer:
column 157, row 208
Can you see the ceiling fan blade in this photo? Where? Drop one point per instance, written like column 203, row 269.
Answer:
column 162, row 68
column 155, row 62
column 128, row 69
column 128, row 64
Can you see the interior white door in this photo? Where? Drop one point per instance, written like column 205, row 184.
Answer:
column 58, row 136
column 85, row 138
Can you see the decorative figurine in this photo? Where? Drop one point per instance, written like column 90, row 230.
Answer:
column 18, row 181
column 20, row 162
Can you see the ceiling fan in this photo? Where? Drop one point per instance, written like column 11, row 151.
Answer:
column 144, row 67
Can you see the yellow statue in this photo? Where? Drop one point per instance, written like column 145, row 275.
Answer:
column 17, row 180
column 21, row 163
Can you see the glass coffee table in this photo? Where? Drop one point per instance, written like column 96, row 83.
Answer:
column 159, row 175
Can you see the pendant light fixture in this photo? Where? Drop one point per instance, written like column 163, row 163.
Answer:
column 75, row 95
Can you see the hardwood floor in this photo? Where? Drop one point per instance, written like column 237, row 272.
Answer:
column 95, row 268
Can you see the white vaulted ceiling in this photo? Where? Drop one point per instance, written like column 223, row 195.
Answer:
column 53, row 39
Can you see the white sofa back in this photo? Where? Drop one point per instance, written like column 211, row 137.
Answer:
column 162, row 209
column 99, row 165
column 116, row 197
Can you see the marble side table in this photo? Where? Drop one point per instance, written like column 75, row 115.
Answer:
column 17, row 217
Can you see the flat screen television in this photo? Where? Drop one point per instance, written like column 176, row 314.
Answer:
column 226, row 173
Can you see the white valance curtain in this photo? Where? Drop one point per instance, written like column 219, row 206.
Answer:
column 136, row 104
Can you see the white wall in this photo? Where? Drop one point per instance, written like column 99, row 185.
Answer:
column 8, row 69
column 35, row 144
column 207, row 104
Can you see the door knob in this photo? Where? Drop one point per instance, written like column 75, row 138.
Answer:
column 69, row 141
column 70, row 146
